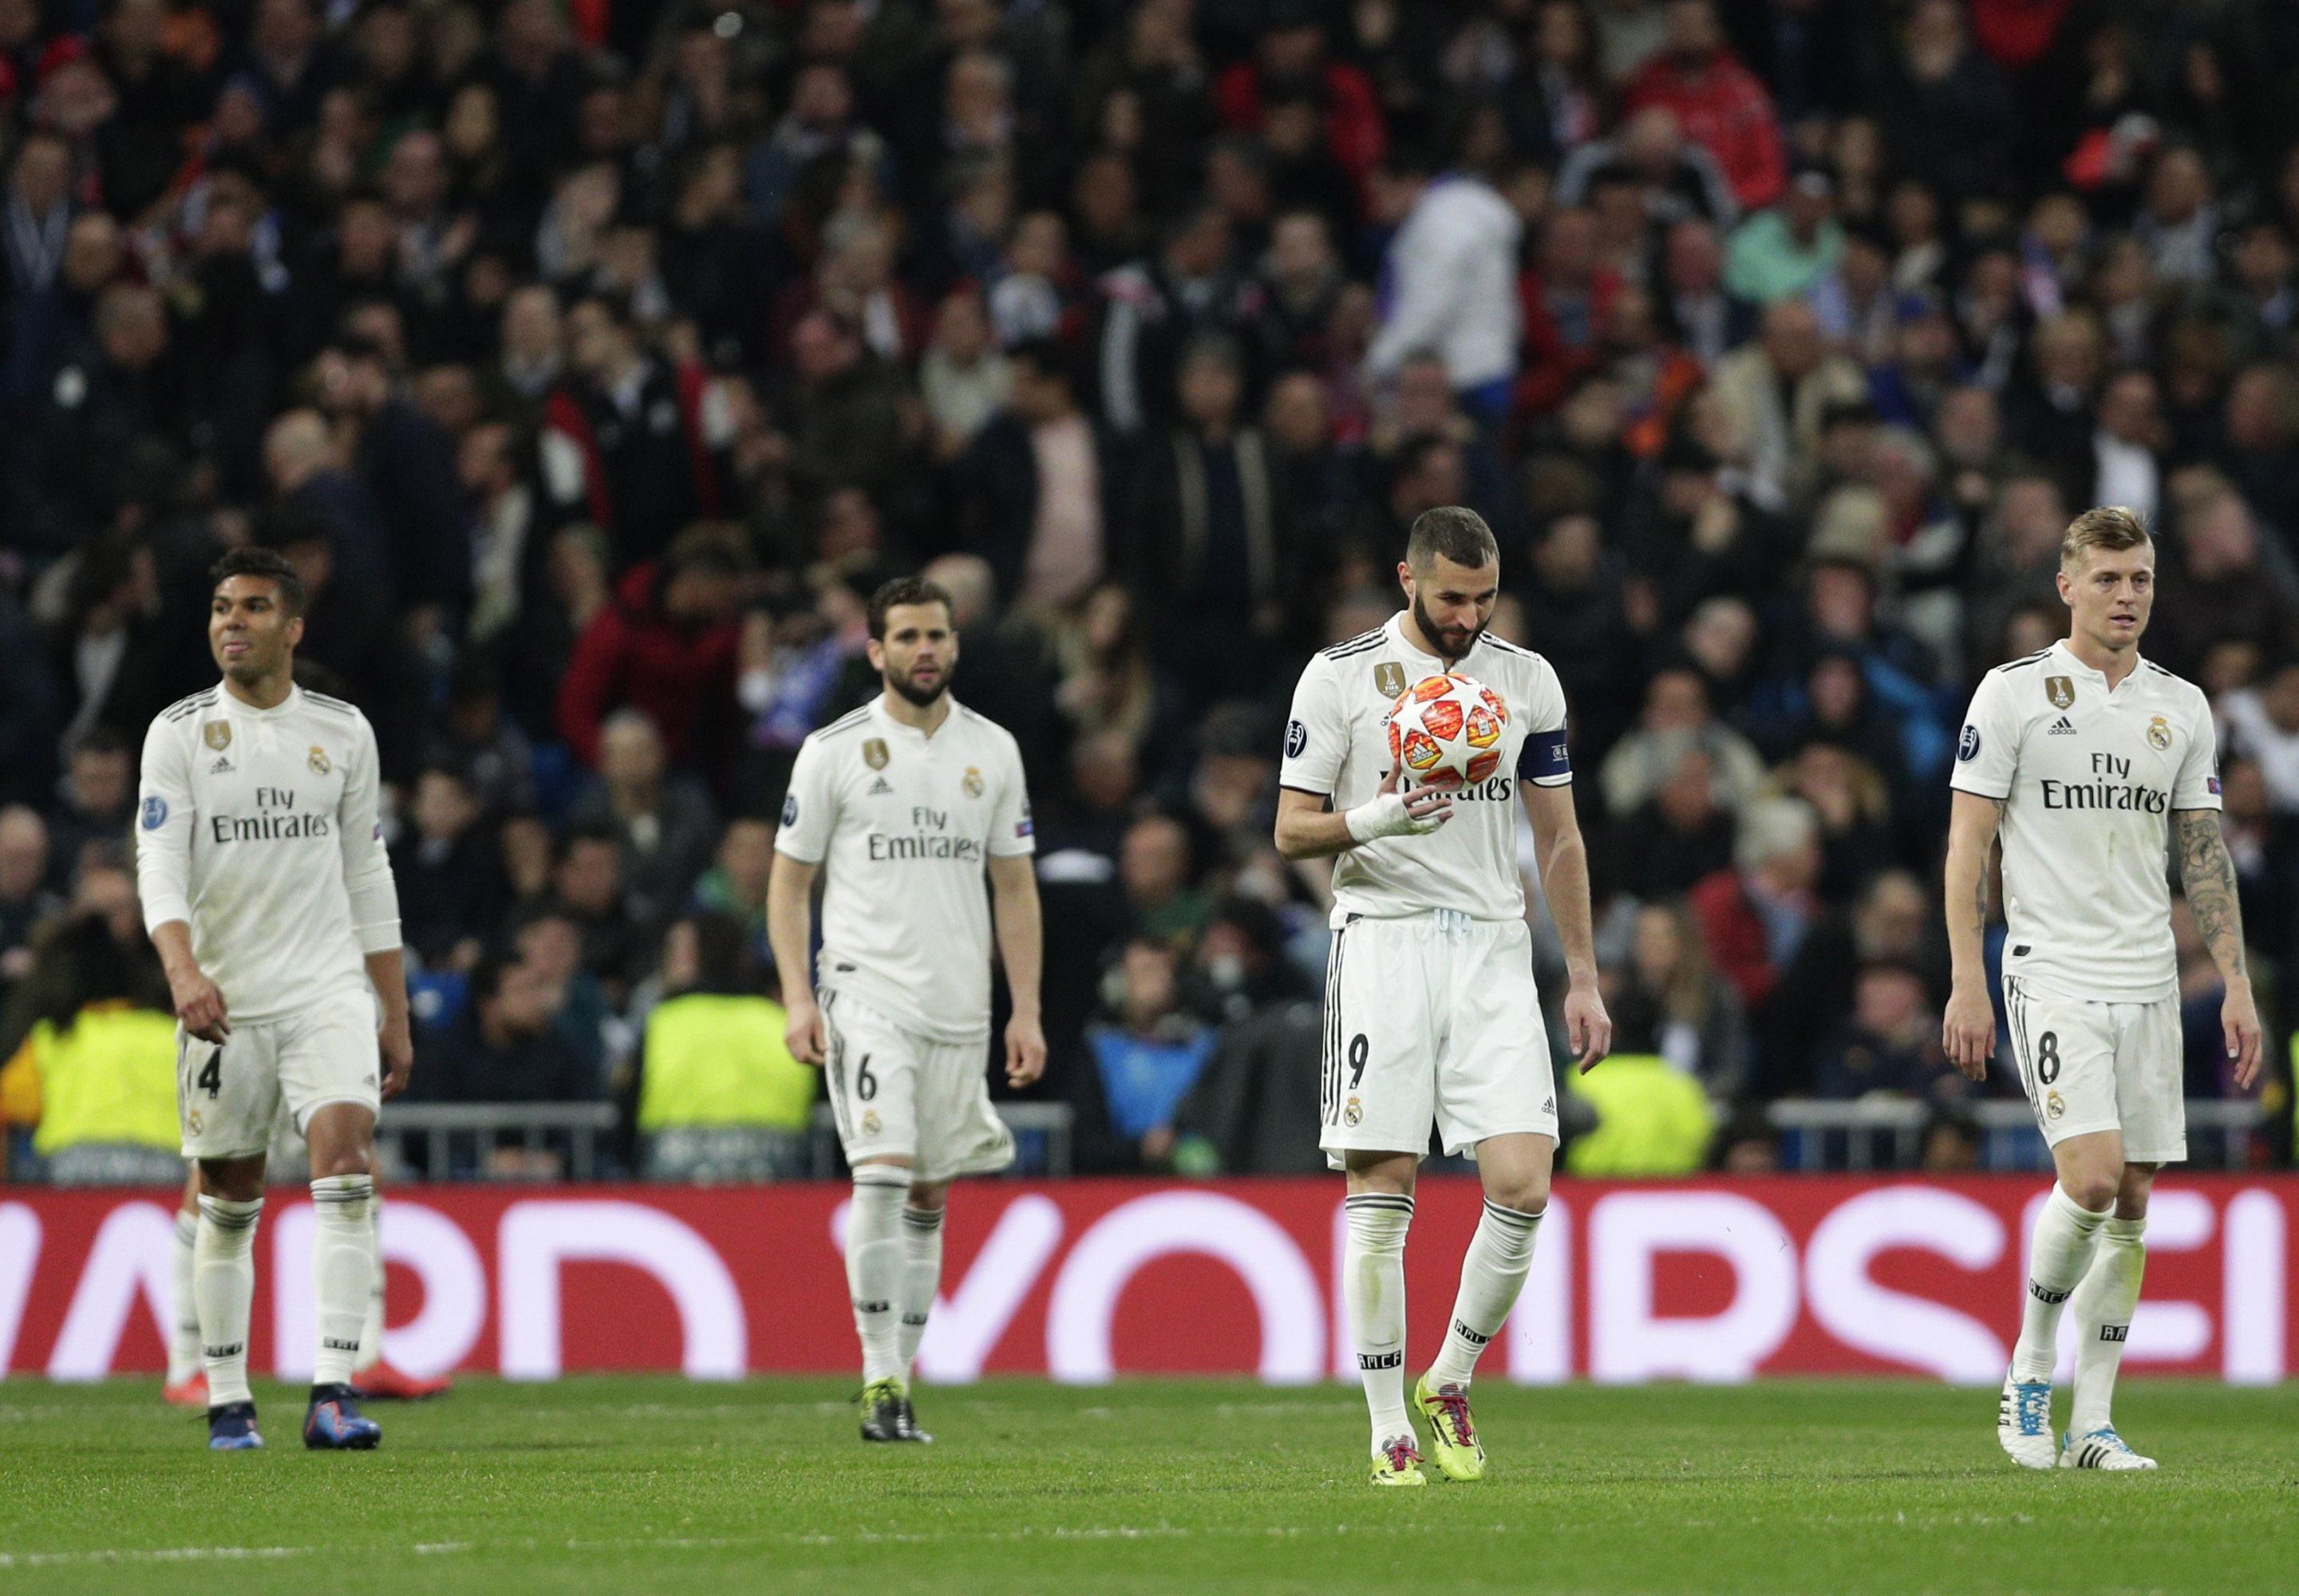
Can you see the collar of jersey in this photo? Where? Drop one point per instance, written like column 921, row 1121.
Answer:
column 1396, row 627
column 2066, row 657
column 240, row 706
column 879, row 713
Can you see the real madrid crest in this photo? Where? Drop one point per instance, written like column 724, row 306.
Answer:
column 2054, row 1105
column 874, row 753
column 971, row 782
column 319, row 761
column 2060, row 690
column 215, row 735
column 1352, row 1114
column 1389, row 678
column 2159, row 734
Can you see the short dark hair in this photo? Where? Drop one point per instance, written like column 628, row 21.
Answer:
column 270, row 564
column 905, row 590
column 1455, row 532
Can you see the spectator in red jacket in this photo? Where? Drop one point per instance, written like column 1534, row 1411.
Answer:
column 1754, row 917
column 1291, row 57
column 666, row 647
column 1722, row 106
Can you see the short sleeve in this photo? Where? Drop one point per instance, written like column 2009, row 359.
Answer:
column 2197, row 786
column 1987, row 748
column 1316, row 735
column 1012, row 833
column 163, row 827
column 1544, row 757
column 810, row 807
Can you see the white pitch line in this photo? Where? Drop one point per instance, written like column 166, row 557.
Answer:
column 1154, row 1532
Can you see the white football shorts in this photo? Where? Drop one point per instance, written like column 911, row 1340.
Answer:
column 1432, row 1018
column 229, row 1096
column 2089, row 1065
column 896, row 1093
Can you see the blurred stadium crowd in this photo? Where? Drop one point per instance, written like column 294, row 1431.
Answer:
column 595, row 363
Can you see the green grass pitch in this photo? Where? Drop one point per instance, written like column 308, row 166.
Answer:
column 651, row 1484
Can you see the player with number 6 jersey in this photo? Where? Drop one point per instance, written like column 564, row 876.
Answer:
column 1431, row 1017
column 905, row 803
column 2089, row 761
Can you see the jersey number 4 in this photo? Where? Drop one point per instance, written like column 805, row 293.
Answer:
column 211, row 1076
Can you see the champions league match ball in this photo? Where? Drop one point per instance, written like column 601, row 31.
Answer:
column 1445, row 731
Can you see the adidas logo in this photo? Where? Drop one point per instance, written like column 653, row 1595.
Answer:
column 220, row 767
column 1549, row 1105
column 880, row 787
column 2061, row 727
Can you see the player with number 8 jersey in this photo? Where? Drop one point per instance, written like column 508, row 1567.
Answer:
column 1431, row 1017
column 2090, row 762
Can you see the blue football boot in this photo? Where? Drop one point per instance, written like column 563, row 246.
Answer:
column 332, row 1424
column 231, row 1428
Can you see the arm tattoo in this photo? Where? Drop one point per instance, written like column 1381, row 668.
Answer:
column 2208, row 877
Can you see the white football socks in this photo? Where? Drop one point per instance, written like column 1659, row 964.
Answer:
column 874, row 1266
column 1492, row 1274
column 223, row 1285
column 184, row 1312
column 342, row 1271
column 2103, row 1304
column 371, row 1328
column 2066, row 1236
column 1372, row 1266
column 921, row 1277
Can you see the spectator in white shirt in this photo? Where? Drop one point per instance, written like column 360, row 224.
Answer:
column 1449, row 281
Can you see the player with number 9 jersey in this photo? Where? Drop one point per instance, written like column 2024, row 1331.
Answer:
column 1431, row 1017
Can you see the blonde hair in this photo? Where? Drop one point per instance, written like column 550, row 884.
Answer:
column 2109, row 527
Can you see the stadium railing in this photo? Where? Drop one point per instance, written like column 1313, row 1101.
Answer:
column 446, row 1140
column 1888, row 1132
column 1044, row 1139
column 449, row 1141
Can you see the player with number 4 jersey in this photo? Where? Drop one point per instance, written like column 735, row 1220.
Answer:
column 2089, row 761
column 1432, row 1018
column 270, row 897
column 905, row 803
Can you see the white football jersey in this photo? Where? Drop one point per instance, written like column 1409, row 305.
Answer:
column 2090, row 778
column 1336, row 747
column 905, row 825
column 258, row 829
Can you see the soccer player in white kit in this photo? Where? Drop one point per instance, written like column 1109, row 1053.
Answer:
column 906, row 803
column 2087, row 758
column 1430, row 1006
column 268, row 892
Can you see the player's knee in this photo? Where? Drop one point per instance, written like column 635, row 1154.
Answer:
column 929, row 1197
column 348, row 1159
column 233, row 1180
column 1523, row 1194
column 2092, row 1191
